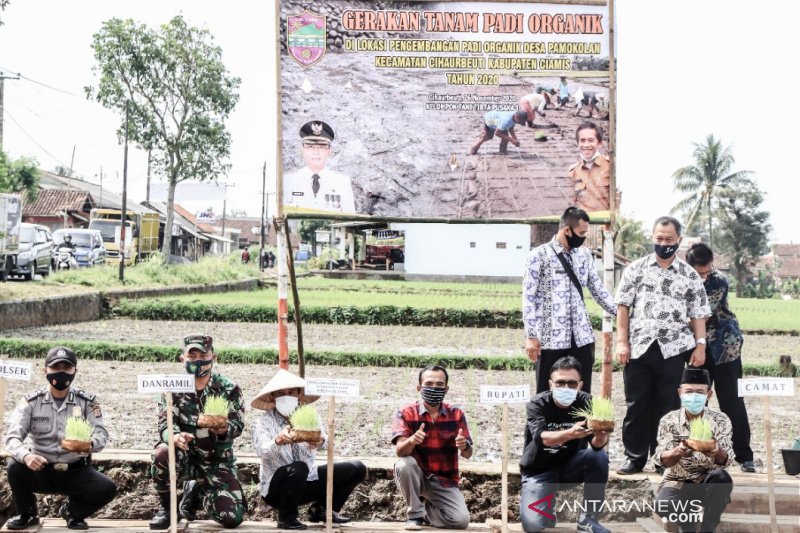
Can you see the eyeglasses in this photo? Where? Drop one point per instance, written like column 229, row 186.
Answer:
column 572, row 384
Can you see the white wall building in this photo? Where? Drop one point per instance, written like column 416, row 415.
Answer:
column 485, row 250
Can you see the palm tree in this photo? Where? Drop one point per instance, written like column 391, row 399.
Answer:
column 703, row 180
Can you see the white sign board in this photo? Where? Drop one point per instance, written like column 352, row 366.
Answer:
column 332, row 387
column 150, row 383
column 766, row 387
column 15, row 370
column 206, row 217
column 498, row 394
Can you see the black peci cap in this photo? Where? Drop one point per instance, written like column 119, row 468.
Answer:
column 696, row 376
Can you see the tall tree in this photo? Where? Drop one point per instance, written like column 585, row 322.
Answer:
column 178, row 93
column 630, row 237
column 19, row 176
column 710, row 174
column 3, row 4
column 744, row 225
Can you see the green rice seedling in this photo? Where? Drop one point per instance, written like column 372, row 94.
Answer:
column 216, row 406
column 305, row 418
column 599, row 414
column 598, row 409
column 700, row 429
column 77, row 428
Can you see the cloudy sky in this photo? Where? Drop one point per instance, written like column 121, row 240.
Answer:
column 686, row 69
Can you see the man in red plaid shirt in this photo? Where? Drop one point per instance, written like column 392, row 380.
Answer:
column 429, row 435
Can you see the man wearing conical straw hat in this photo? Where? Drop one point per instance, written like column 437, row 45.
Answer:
column 289, row 476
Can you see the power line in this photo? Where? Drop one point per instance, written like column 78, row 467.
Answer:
column 24, row 77
column 57, row 160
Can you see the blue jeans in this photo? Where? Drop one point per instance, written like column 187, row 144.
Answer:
column 588, row 466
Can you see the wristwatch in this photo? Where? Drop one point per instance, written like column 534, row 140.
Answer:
column 700, row 341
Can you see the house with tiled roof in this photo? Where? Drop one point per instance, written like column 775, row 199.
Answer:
column 787, row 261
column 59, row 208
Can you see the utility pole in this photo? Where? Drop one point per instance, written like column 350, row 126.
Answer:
column 101, row 187
column 224, row 205
column 147, row 198
column 3, row 79
column 124, row 220
column 263, row 215
column 69, row 185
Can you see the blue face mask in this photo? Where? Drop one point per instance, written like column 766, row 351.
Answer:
column 564, row 395
column 694, row 402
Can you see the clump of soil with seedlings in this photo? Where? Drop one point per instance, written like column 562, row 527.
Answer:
column 599, row 414
column 77, row 435
column 701, row 437
column 215, row 413
column 305, row 425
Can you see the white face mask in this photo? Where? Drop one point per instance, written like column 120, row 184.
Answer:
column 286, row 405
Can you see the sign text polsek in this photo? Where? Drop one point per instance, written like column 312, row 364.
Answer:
column 152, row 383
column 766, row 387
column 15, row 370
column 505, row 394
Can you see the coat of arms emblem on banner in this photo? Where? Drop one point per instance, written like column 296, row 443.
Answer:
column 306, row 35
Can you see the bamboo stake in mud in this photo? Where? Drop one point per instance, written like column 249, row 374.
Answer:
column 2, row 410
column 173, row 490
column 773, row 518
column 329, row 485
column 504, row 478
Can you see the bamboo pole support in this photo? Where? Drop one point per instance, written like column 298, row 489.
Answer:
column 504, row 475
column 283, row 274
column 173, row 489
column 773, row 517
column 329, row 484
column 301, row 360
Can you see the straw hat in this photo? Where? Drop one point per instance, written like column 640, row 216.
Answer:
column 282, row 380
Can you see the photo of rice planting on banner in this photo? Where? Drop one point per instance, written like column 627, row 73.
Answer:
column 444, row 109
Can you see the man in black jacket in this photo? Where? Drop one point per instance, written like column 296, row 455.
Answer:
column 556, row 453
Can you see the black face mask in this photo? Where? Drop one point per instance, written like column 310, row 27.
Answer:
column 60, row 380
column 433, row 395
column 200, row 368
column 575, row 241
column 665, row 251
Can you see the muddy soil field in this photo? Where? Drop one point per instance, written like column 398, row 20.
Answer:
column 362, row 425
column 377, row 499
column 393, row 339
column 363, row 429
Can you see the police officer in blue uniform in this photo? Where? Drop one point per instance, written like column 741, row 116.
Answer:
column 42, row 466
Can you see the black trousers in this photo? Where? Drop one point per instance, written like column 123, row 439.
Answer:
column 651, row 391
column 714, row 492
column 290, row 487
column 724, row 378
column 584, row 354
column 88, row 490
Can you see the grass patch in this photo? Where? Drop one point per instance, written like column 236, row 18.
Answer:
column 386, row 315
column 153, row 272
column 106, row 351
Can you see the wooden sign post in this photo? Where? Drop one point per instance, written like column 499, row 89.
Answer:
column 168, row 384
column 499, row 394
column 16, row 370
column 333, row 388
column 767, row 387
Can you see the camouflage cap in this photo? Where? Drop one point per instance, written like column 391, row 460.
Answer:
column 197, row 341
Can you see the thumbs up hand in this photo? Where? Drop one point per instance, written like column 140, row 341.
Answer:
column 461, row 440
column 419, row 436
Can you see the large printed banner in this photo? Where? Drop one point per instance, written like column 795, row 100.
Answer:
column 444, row 109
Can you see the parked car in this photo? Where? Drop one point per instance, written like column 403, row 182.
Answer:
column 89, row 247
column 35, row 251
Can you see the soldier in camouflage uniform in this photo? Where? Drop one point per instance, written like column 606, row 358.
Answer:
column 38, row 464
column 205, row 459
